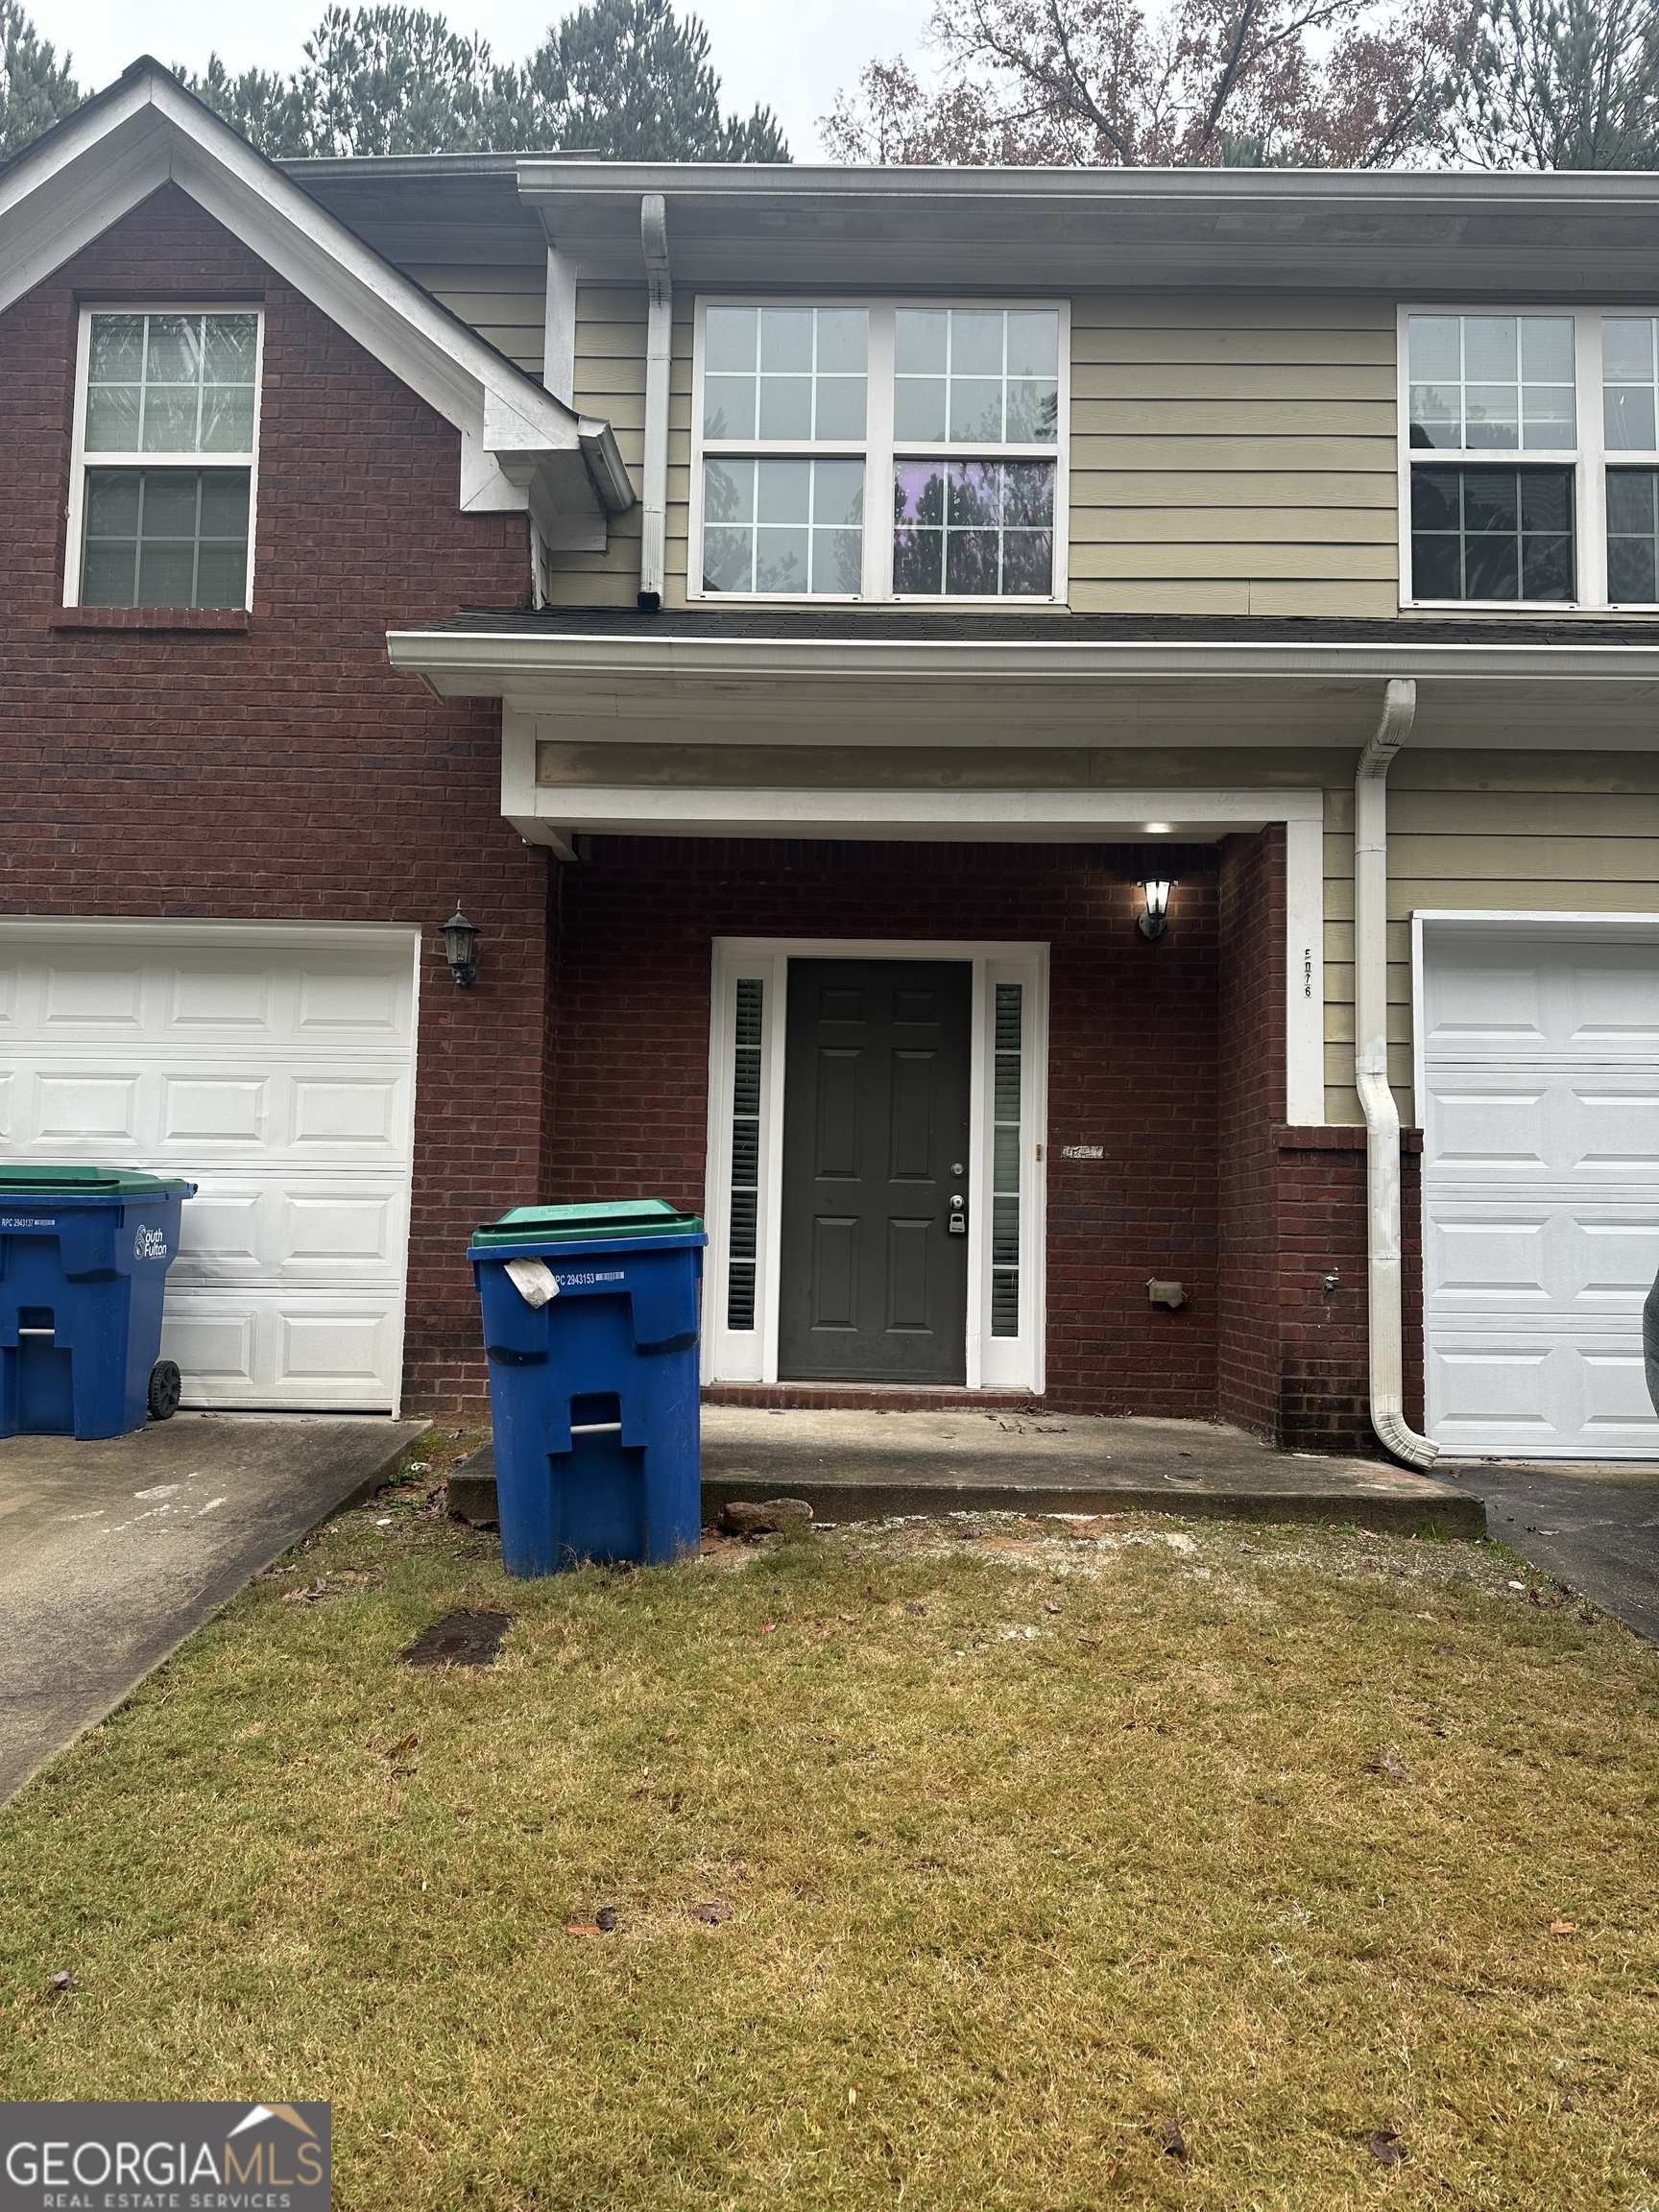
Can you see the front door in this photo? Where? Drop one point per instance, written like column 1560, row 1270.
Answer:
column 874, row 1278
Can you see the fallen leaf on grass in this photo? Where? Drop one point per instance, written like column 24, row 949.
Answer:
column 711, row 1913
column 403, row 1745
column 1563, row 1927
column 62, row 1982
column 604, row 1920
column 1385, row 2146
column 583, row 1928
column 308, row 1596
column 1048, row 1608
column 1092, row 1641
column 1389, row 1763
column 1174, row 2142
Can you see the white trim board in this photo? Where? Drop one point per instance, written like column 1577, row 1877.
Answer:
column 550, row 816
column 993, row 1363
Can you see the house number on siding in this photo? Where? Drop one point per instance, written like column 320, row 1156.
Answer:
column 1308, row 972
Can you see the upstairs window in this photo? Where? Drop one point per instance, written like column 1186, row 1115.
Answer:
column 1529, row 459
column 877, row 451
column 162, row 503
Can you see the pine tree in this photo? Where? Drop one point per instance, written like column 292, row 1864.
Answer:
column 1561, row 85
column 35, row 89
column 620, row 78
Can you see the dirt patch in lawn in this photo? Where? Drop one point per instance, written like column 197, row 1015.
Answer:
column 964, row 1865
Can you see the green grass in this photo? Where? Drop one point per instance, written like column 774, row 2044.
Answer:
column 1030, row 1845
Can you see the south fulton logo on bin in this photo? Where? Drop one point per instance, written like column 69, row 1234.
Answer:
column 149, row 1244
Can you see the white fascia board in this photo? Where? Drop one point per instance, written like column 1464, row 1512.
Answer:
column 495, row 665
column 147, row 130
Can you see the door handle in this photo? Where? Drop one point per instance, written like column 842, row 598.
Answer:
column 957, row 1223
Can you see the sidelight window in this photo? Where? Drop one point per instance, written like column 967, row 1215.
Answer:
column 742, row 1242
column 1007, row 1084
column 166, row 437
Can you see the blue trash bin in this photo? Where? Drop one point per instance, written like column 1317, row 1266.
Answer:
column 84, row 1259
column 594, row 1394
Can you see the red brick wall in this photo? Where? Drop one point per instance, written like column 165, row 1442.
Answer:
column 1132, row 1061
column 1251, row 1072
column 1324, row 1375
column 285, row 771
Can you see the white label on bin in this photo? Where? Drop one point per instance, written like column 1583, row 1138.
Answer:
column 533, row 1280
column 573, row 1279
column 28, row 1220
column 149, row 1244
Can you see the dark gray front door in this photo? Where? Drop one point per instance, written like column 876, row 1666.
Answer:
column 874, row 1284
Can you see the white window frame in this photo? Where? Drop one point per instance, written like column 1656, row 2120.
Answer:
column 878, row 449
column 1590, row 459
column 74, row 549
column 992, row 1362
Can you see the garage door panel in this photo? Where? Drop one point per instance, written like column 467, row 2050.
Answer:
column 1541, row 1191
column 277, row 1072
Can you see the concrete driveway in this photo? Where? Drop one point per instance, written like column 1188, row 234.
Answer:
column 111, row 1553
column 1596, row 1529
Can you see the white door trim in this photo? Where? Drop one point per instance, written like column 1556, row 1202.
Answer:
column 751, row 1356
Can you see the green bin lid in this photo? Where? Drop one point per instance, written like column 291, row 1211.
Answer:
column 597, row 1218
column 88, row 1182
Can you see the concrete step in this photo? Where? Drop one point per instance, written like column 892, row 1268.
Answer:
column 862, row 1466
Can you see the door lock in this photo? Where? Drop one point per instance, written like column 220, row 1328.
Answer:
column 958, row 1222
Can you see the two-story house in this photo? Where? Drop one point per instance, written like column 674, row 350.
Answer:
column 1020, row 739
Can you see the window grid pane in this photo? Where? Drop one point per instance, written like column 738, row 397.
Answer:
column 1492, row 534
column 1633, row 537
column 783, row 525
column 974, row 529
column 1492, row 383
column 1630, row 384
column 171, row 383
column 742, row 1255
column 1006, row 1151
column 797, row 374
column 165, row 537
column 977, row 376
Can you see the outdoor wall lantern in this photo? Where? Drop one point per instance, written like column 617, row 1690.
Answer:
column 1156, row 918
column 460, row 943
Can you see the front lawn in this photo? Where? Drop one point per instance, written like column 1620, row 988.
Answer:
column 950, row 1871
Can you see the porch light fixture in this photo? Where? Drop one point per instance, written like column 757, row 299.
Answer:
column 1155, row 920
column 460, row 943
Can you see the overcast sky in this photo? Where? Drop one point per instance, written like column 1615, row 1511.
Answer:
column 791, row 55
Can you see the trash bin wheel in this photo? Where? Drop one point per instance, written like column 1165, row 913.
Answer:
column 165, row 1388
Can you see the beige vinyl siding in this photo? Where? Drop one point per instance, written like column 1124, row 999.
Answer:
column 1230, row 454
column 611, row 382
column 1546, row 833
column 507, row 306
column 1233, row 454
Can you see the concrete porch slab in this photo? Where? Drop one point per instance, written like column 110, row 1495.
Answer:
column 858, row 1466
column 111, row 1553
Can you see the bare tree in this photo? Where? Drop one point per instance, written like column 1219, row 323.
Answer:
column 1092, row 83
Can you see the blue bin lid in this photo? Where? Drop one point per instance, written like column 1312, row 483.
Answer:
column 591, row 1222
column 75, row 1182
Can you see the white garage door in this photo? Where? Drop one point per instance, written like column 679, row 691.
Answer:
column 1540, row 1104
column 275, row 1067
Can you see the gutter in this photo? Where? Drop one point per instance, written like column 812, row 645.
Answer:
column 1384, row 1333
column 490, row 662
column 659, row 340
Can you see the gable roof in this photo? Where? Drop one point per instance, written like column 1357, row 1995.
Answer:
column 521, row 448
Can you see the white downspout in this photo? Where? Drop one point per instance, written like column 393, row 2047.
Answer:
column 659, row 338
column 1371, row 1075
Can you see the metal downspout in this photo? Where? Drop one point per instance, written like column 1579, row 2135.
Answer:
column 1384, row 1333
column 658, row 337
